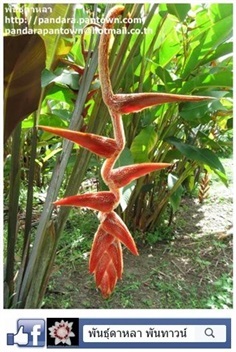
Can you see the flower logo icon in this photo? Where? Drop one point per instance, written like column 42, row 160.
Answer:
column 62, row 332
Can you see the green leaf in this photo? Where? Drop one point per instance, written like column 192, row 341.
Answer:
column 172, row 155
column 209, row 80
column 126, row 158
column 208, row 35
column 143, row 143
column 53, row 24
column 46, row 120
column 154, row 27
column 81, row 17
column 175, row 197
column 202, row 156
column 222, row 50
column 230, row 123
column 164, row 76
column 24, row 60
column 196, row 113
column 64, row 114
column 126, row 194
column 208, row 142
column 189, row 182
column 64, row 77
column 163, row 11
column 150, row 115
column 179, row 10
column 62, row 94
column 220, row 11
column 47, row 77
column 168, row 43
column 222, row 176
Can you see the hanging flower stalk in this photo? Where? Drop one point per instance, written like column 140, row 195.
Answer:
column 106, row 260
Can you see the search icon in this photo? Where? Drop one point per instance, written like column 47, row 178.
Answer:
column 209, row 332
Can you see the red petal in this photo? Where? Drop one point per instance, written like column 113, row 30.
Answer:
column 112, row 278
column 101, row 243
column 108, row 281
column 115, row 252
column 102, row 146
column 101, row 267
column 128, row 103
column 106, row 261
column 101, row 201
column 106, row 275
column 126, row 174
column 115, row 226
column 104, row 242
column 105, row 286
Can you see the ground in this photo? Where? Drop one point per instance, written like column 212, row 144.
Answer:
column 193, row 270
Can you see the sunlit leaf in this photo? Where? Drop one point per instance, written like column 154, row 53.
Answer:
column 51, row 25
column 143, row 143
column 208, row 34
column 179, row 10
column 175, row 197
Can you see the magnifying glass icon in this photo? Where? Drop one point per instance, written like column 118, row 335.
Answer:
column 209, row 332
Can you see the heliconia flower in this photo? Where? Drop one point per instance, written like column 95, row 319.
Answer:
column 122, row 176
column 116, row 227
column 102, row 146
column 106, row 261
column 102, row 240
column 102, row 201
column 106, row 274
column 129, row 103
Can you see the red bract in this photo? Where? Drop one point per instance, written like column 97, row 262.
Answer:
column 129, row 103
column 102, row 146
column 106, row 261
column 113, row 225
column 126, row 174
column 101, row 201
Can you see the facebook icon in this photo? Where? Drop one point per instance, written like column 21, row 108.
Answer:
column 30, row 333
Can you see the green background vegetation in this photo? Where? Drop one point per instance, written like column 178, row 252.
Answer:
column 52, row 80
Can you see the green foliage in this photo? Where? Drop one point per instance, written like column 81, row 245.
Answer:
column 143, row 144
column 179, row 10
column 190, row 53
column 160, row 235
column 187, row 51
column 57, row 45
column 204, row 157
column 222, row 298
column 175, row 198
